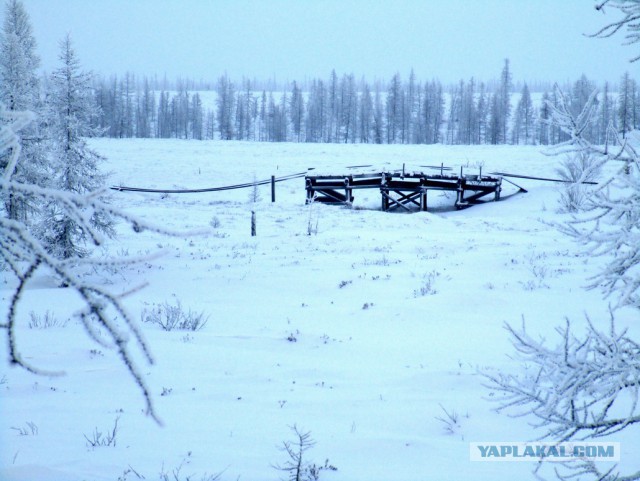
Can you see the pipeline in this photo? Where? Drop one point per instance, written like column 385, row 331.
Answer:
column 210, row 189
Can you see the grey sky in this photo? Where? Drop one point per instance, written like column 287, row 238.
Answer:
column 298, row 39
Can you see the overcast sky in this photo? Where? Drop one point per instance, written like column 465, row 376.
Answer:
column 297, row 39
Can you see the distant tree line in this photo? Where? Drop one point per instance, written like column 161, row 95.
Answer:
column 346, row 110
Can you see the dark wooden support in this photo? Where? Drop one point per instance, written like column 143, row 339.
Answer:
column 423, row 200
column 406, row 198
column 253, row 223
column 273, row 188
column 330, row 195
column 391, row 202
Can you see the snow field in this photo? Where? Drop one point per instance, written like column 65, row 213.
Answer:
column 360, row 333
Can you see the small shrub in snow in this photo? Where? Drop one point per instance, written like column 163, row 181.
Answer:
column 254, row 193
column 171, row 318
column 214, row 222
column 46, row 321
column 451, row 420
column 125, row 474
column 99, row 439
column 296, row 466
column 30, row 430
column 176, row 473
column 166, row 391
column 427, row 288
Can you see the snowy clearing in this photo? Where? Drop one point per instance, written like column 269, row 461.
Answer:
column 362, row 333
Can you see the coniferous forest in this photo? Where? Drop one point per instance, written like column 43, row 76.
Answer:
column 343, row 109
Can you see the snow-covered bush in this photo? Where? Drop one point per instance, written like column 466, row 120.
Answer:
column 171, row 318
column 576, row 168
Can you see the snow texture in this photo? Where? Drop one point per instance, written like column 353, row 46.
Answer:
column 360, row 333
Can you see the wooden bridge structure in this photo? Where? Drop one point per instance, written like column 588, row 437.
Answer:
column 406, row 191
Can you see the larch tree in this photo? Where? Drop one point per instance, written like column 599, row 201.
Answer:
column 605, row 116
column 482, row 111
column 394, row 109
column 523, row 129
column 378, row 116
column 226, row 108
column 544, row 117
column 20, row 91
column 74, row 166
column 626, row 104
column 365, row 111
column 296, row 111
column 504, row 101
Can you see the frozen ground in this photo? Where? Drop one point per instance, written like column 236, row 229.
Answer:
column 361, row 333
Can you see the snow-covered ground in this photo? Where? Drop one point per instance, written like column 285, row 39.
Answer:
column 362, row 333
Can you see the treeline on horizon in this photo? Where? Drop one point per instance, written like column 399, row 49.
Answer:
column 345, row 110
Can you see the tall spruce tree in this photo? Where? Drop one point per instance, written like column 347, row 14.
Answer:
column 626, row 104
column 70, row 108
column 523, row 129
column 506, row 85
column 20, row 91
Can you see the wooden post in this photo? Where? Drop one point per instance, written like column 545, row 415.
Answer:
column 253, row 223
column 423, row 200
column 273, row 188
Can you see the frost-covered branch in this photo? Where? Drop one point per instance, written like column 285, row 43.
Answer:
column 610, row 222
column 561, row 116
column 103, row 316
column 630, row 21
column 582, row 388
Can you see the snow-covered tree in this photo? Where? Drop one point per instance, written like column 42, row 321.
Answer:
column 18, row 59
column 610, row 225
column 365, row 114
column 395, row 100
column 605, row 116
column 500, row 110
column 71, row 106
column 226, row 107
column 523, row 128
column 19, row 91
column 296, row 111
column 627, row 104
